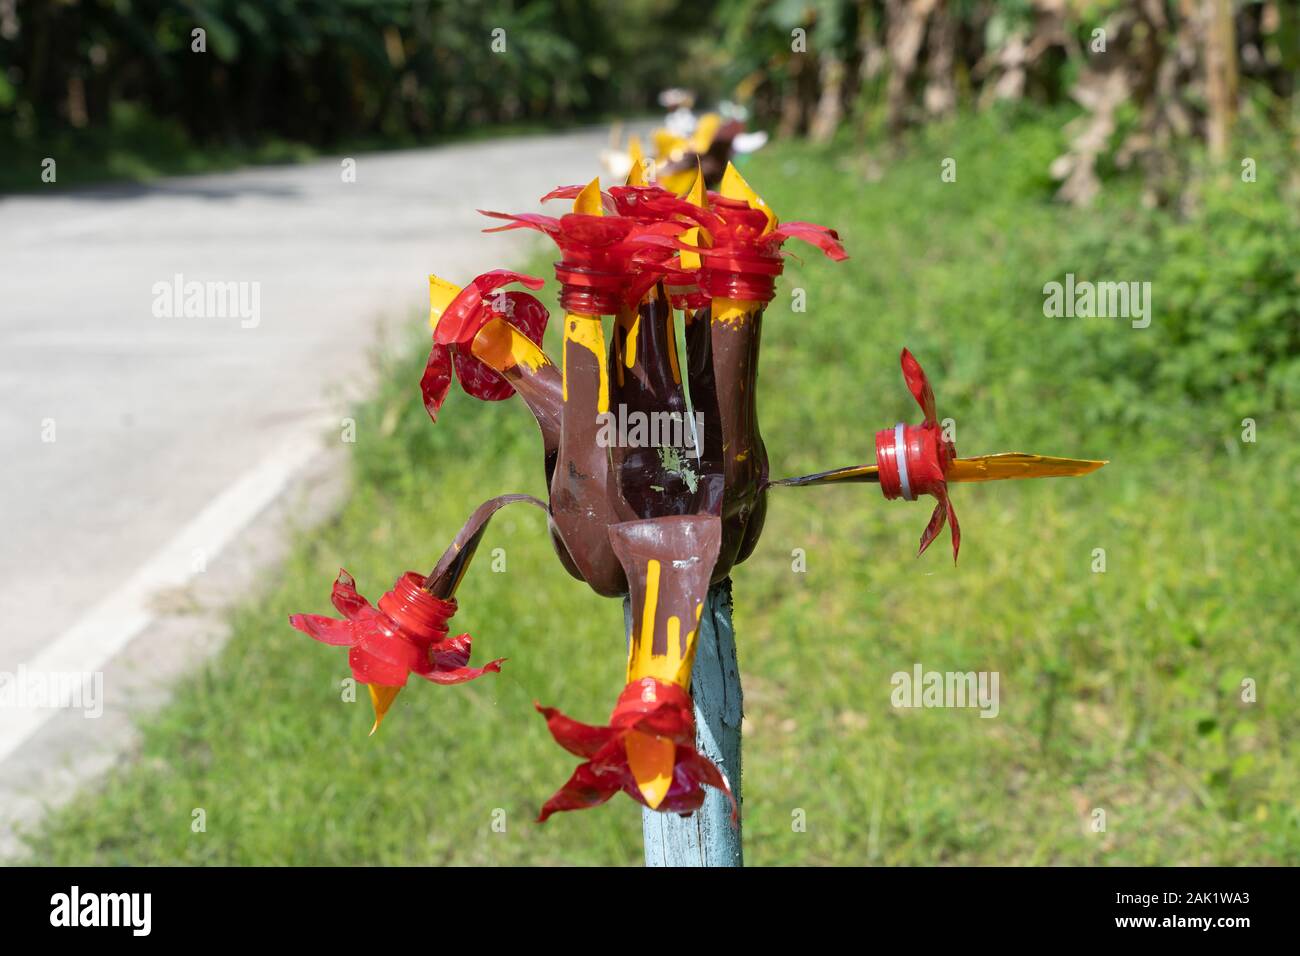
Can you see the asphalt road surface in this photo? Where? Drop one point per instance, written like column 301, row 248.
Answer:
column 137, row 440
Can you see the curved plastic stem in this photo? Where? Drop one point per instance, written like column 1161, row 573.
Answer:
column 450, row 569
column 853, row 474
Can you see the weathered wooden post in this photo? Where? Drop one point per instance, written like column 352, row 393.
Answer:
column 708, row 837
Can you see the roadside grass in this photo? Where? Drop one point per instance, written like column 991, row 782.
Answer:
column 1121, row 691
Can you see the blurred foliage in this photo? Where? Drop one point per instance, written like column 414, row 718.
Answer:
column 1152, row 76
column 965, row 39
column 1225, row 289
column 325, row 71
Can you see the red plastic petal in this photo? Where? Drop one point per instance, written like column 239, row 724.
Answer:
column 827, row 240
column 691, row 771
column 587, row 787
column 460, row 675
column 528, row 220
column 479, row 380
column 465, row 314
column 571, row 192
column 579, row 739
column 345, row 596
column 956, row 528
column 526, row 314
column 451, row 653
column 448, row 662
column 436, row 381
column 646, row 705
column 937, row 518
column 563, row 192
column 327, row 630
column 918, row 385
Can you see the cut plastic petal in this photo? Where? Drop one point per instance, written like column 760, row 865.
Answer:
column 462, row 319
column 460, row 675
column 952, row 523
column 436, row 381
column 651, row 760
column 527, row 220
column 733, row 186
column 571, row 192
column 918, row 385
column 441, row 295
column 1018, row 464
column 588, row 787
column 345, row 596
column 327, row 630
column 448, row 662
column 589, row 200
column 452, row 653
column 381, row 698
column 693, row 768
column 825, row 239
column 937, row 519
column 528, row 316
column 579, row 739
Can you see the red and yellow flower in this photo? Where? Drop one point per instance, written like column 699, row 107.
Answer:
column 647, row 750
column 406, row 634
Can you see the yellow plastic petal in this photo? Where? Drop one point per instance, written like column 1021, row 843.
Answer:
column 651, row 760
column 695, row 196
column 636, row 175
column 706, row 128
column 441, row 293
column 691, row 260
column 381, row 698
column 588, row 201
column 501, row 346
column 678, row 182
column 734, row 187
column 1016, row 464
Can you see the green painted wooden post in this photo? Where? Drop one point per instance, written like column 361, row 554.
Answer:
column 707, row 837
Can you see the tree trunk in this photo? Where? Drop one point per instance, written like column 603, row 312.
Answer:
column 1220, row 75
column 830, row 107
column 941, row 85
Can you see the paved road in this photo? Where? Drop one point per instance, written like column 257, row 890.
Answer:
column 134, row 445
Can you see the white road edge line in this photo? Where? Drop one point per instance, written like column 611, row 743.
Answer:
column 107, row 628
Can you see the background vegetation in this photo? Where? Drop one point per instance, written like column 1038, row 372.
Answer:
column 117, row 89
column 1121, row 691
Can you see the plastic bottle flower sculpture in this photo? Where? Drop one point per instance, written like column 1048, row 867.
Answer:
column 655, row 521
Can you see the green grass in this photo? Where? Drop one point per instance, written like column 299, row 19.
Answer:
column 1119, row 690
